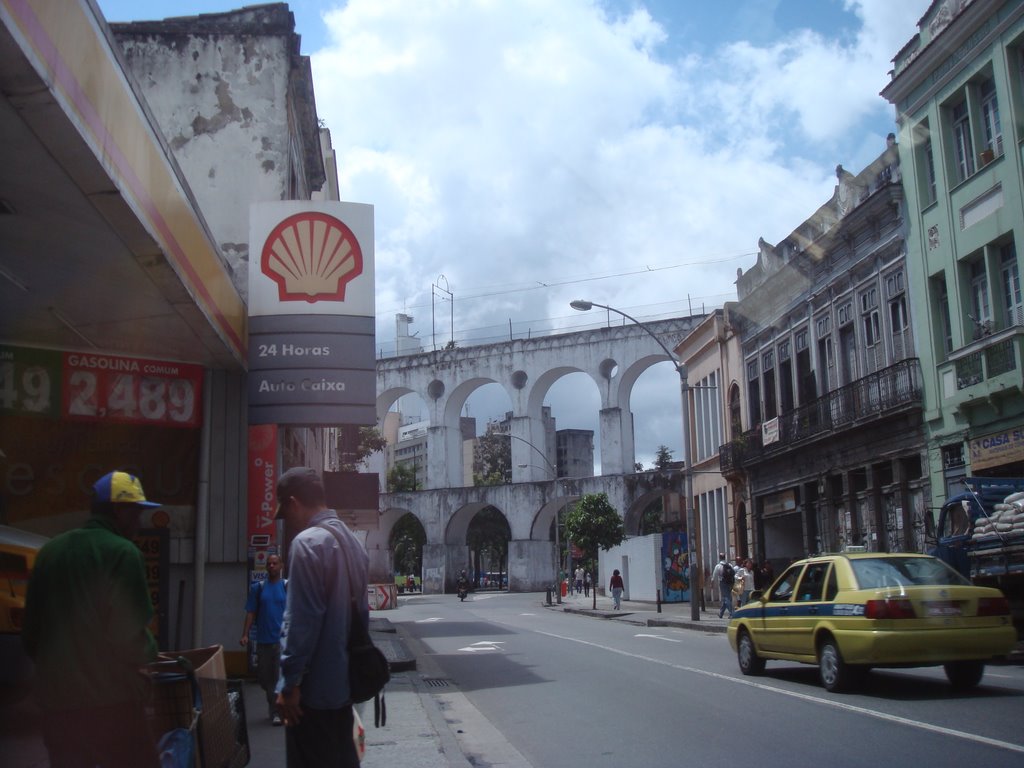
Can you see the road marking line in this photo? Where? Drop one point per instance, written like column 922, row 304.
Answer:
column 484, row 645
column 806, row 697
column 660, row 637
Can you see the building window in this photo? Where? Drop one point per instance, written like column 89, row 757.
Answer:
column 827, row 363
column 925, row 160
column 1010, row 274
column 963, row 147
column 869, row 299
column 871, row 328
column 823, row 326
column 953, row 456
column 784, row 351
column 940, row 295
column 768, row 360
column 929, row 169
column 898, row 314
column 990, row 117
column 754, row 393
column 894, row 284
column 981, row 310
column 845, row 313
column 801, row 340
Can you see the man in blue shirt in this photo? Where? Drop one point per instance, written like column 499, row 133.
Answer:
column 265, row 607
column 327, row 579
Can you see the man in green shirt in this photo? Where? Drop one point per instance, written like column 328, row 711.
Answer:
column 87, row 613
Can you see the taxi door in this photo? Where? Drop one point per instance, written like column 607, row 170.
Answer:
column 810, row 603
column 776, row 632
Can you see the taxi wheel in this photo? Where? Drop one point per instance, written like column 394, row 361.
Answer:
column 746, row 654
column 835, row 674
column 964, row 675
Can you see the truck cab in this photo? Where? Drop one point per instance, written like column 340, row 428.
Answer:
column 953, row 531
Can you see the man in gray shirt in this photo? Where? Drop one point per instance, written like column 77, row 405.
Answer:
column 327, row 578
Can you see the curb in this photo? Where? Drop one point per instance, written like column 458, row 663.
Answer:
column 385, row 637
column 627, row 617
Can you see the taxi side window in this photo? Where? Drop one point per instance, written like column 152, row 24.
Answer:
column 783, row 590
column 812, row 585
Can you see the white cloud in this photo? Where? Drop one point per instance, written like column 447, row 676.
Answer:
column 509, row 144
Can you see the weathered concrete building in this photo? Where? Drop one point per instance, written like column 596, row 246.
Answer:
column 712, row 356
column 832, row 452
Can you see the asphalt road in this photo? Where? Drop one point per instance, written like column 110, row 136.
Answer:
column 525, row 685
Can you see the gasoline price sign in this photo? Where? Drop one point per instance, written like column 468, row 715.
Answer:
column 30, row 381
column 131, row 390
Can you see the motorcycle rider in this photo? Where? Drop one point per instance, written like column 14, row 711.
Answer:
column 463, row 584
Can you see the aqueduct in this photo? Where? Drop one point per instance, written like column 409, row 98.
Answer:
column 613, row 357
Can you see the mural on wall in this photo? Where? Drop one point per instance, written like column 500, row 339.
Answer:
column 675, row 568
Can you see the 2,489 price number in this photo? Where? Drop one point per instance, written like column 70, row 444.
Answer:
column 130, row 397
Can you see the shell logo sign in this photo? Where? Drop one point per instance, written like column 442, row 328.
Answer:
column 311, row 257
column 311, row 339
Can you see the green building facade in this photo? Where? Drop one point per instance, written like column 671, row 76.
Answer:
column 958, row 89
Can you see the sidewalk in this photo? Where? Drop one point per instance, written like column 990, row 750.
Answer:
column 642, row 613
column 417, row 733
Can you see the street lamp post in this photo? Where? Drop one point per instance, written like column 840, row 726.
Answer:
column 684, row 389
column 554, row 479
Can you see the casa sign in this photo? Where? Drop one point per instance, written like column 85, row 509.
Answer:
column 997, row 448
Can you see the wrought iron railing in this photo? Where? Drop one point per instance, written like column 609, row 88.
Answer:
column 999, row 357
column 987, row 358
column 868, row 398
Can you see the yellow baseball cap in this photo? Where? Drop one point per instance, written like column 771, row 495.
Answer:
column 121, row 488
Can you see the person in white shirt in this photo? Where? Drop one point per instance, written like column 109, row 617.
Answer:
column 745, row 580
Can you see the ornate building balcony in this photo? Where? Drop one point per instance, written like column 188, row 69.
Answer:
column 984, row 370
column 871, row 398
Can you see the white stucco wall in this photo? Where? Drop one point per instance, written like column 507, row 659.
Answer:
column 221, row 101
column 639, row 560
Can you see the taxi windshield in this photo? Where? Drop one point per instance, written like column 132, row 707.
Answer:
column 878, row 572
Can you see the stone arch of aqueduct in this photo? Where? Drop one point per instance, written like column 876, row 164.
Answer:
column 613, row 357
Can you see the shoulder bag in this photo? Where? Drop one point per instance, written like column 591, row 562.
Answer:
column 368, row 669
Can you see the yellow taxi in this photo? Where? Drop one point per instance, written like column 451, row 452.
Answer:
column 850, row 612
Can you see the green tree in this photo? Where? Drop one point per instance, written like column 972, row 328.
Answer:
column 402, row 477
column 407, row 540
column 356, row 443
column 593, row 523
column 492, row 459
column 663, row 457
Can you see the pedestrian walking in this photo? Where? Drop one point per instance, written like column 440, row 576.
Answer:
column 737, row 583
column 616, row 586
column 87, row 613
column 579, row 580
column 749, row 581
column 326, row 584
column 586, row 584
column 724, row 575
column 265, row 608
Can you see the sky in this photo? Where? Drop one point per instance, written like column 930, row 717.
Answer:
column 520, row 154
